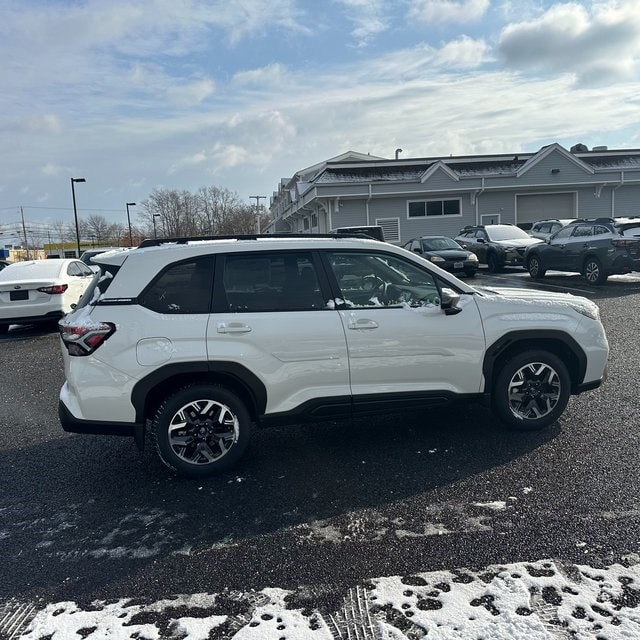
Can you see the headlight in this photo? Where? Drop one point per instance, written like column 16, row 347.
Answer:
column 472, row 257
column 590, row 310
column 436, row 259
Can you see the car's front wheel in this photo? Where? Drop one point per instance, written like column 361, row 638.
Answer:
column 593, row 271
column 201, row 429
column 531, row 390
column 534, row 267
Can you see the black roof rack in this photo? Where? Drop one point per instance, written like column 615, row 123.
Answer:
column 157, row 242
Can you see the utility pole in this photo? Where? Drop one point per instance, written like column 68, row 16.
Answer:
column 258, row 198
column 24, row 232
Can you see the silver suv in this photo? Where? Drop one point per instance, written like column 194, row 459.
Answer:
column 196, row 340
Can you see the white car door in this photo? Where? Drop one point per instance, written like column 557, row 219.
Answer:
column 401, row 343
column 273, row 314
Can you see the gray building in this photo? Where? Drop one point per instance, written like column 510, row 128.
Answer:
column 424, row 196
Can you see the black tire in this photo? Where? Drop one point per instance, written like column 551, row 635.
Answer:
column 493, row 264
column 470, row 273
column 545, row 385
column 4, row 329
column 593, row 272
column 216, row 423
column 534, row 267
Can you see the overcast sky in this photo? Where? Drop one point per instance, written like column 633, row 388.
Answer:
column 133, row 95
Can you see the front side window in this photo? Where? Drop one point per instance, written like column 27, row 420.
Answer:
column 564, row 233
column 282, row 281
column 371, row 279
column 182, row 288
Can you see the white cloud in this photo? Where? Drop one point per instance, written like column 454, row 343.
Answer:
column 598, row 45
column 51, row 169
column 191, row 94
column 47, row 123
column 43, row 198
column 464, row 52
column 457, row 11
column 188, row 161
column 368, row 18
column 272, row 75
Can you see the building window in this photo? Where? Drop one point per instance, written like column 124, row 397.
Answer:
column 306, row 224
column 314, row 220
column 422, row 208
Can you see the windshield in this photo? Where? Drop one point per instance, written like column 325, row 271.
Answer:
column 439, row 244
column 506, row 233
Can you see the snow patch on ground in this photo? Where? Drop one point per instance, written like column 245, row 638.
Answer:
column 542, row 600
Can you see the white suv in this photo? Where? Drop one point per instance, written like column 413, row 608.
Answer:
column 195, row 340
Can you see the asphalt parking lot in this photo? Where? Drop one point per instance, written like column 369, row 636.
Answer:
column 86, row 517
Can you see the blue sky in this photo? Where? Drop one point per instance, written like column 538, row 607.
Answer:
column 138, row 94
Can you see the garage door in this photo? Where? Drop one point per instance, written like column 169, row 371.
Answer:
column 548, row 205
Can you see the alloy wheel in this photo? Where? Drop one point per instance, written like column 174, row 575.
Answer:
column 534, row 391
column 203, row 431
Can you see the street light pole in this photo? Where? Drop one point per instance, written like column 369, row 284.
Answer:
column 75, row 210
column 155, row 215
column 258, row 198
column 130, row 204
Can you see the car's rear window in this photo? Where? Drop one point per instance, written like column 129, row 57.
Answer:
column 99, row 285
column 34, row 270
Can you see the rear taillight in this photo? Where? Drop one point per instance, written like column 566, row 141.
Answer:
column 625, row 244
column 56, row 289
column 84, row 339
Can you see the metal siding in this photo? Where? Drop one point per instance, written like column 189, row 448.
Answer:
column 570, row 173
column 351, row 213
column 497, row 202
column 440, row 180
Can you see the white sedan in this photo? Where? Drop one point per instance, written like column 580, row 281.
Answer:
column 41, row 290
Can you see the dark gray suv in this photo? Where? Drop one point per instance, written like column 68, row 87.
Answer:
column 595, row 248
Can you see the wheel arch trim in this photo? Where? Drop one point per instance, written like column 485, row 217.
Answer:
column 553, row 341
column 215, row 371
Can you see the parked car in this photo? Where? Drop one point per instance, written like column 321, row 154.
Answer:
column 445, row 252
column 200, row 340
column 595, row 248
column 88, row 255
column 4, row 263
column 497, row 245
column 41, row 290
column 544, row 229
column 374, row 231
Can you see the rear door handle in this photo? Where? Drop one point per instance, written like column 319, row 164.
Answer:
column 233, row 327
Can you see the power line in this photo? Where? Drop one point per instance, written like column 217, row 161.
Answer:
column 58, row 208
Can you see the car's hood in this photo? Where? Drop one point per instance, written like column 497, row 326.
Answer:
column 448, row 254
column 517, row 242
column 541, row 299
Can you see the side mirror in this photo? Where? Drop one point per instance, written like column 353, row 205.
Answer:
column 449, row 300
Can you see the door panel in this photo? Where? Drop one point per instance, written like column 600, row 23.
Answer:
column 399, row 339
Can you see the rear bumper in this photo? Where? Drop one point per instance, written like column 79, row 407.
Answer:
column 72, row 424
column 47, row 317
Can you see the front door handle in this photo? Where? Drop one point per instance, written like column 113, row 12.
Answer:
column 233, row 327
column 362, row 323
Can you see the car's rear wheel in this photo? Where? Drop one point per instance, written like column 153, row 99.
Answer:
column 593, row 271
column 201, row 429
column 493, row 264
column 532, row 390
column 534, row 267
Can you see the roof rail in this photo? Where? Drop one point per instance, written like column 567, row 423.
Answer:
column 157, row 242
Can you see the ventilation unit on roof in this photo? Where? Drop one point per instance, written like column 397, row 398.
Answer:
column 601, row 148
column 579, row 148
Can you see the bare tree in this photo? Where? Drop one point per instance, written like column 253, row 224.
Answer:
column 210, row 211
